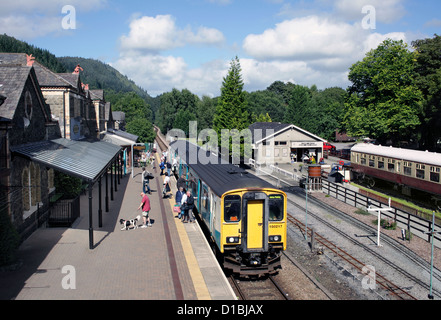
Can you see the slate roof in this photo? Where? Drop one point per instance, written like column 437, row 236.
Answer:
column 12, row 82
column 46, row 77
column 124, row 134
column 97, row 94
column 268, row 128
column 13, row 58
column 272, row 128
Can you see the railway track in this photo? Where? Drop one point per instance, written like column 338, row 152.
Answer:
column 411, row 256
column 382, row 281
column 360, row 266
column 261, row 289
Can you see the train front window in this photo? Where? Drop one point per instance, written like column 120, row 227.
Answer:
column 276, row 206
column 232, row 208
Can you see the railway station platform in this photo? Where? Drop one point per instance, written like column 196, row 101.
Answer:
column 170, row 260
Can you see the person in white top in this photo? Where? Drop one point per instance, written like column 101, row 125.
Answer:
column 166, row 185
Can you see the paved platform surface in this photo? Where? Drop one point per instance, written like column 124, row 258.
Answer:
column 57, row 264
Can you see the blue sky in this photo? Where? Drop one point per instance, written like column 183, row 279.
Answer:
column 189, row 44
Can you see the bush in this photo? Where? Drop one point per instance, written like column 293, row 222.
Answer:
column 386, row 224
column 69, row 186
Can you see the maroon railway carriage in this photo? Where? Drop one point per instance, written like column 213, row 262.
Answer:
column 411, row 170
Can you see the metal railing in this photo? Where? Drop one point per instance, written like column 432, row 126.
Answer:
column 63, row 213
column 413, row 223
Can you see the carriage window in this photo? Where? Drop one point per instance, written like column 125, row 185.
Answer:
column 407, row 168
column 232, row 208
column 420, row 168
column 372, row 161
column 276, row 206
column 391, row 165
column 380, row 164
column 434, row 174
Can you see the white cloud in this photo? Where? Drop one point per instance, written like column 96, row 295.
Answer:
column 158, row 74
column 141, row 56
column 160, row 33
column 306, row 38
column 309, row 50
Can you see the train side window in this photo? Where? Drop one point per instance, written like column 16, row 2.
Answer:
column 380, row 163
column 391, row 165
column 232, row 208
column 372, row 161
column 420, row 171
column 276, row 207
column 407, row 168
column 434, row 174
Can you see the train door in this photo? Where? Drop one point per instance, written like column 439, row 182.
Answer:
column 255, row 222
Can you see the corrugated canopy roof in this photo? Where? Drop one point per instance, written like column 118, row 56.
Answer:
column 82, row 159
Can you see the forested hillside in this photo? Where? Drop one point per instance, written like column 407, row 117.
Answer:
column 99, row 75
column 12, row 45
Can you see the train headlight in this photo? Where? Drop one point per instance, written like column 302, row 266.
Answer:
column 275, row 238
column 232, row 239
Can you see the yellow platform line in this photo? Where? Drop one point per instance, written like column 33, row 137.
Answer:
column 192, row 263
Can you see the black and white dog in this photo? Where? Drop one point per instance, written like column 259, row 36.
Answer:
column 129, row 224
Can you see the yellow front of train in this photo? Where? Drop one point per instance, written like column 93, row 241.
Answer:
column 253, row 230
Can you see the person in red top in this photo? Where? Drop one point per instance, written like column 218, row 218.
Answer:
column 145, row 205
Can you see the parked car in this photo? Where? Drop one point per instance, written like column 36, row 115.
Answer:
column 327, row 146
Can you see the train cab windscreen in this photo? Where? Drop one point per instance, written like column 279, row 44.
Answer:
column 276, row 204
column 232, row 208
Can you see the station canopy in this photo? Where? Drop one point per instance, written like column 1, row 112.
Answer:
column 83, row 159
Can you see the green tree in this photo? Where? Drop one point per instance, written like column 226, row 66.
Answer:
column 173, row 102
column 266, row 102
column 428, row 79
column 206, row 110
column 298, row 107
column 142, row 128
column 383, row 101
column 182, row 120
column 232, row 110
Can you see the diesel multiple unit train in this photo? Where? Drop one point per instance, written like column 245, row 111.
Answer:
column 414, row 173
column 245, row 217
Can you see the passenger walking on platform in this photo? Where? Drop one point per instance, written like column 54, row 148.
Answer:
column 178, row 198
column 166, row 189
column 162, row 166
column 175, row 166
column 145, row 181
column 169, row 167
column 145, row 205
column 184, row 206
